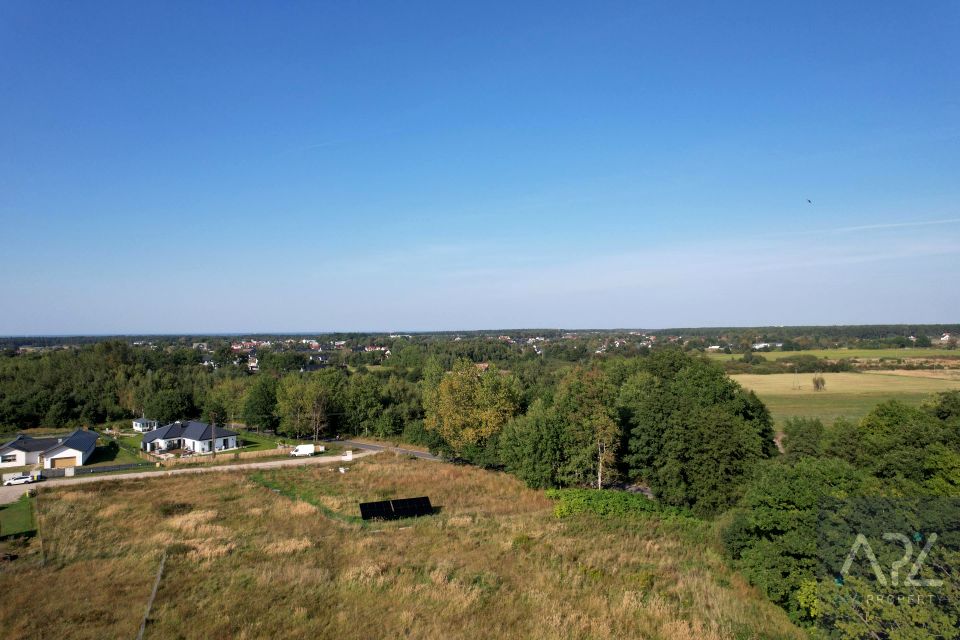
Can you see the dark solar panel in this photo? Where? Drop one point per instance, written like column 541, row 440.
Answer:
column 395, row 509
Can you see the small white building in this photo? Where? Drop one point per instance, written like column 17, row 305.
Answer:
column 143, row 425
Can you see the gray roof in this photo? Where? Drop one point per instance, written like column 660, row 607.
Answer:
column 191, row 430
column 143, row 420
column 80, row 440
column 26, row 443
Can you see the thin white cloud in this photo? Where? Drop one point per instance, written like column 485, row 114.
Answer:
column 869, row 227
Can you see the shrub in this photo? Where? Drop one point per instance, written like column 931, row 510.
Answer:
column 819, row 383
column 605, row 502
column 170, row 509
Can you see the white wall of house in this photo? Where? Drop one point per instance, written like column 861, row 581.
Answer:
column 160, row 444
column 16, row 458
column 203, row 446
column 64, row 452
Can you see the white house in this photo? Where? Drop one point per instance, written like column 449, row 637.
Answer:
column 73, row 451
column 23, row 451
column 189, row 436
column 53, row 453
column 144, row 424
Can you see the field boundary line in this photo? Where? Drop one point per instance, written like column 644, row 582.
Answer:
column 153, row 595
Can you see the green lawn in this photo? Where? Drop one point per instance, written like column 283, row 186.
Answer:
column 105, row 457
column 126, row 451
column 17, row 518
column 849, row 395
column 838, row 354
column 252, row 441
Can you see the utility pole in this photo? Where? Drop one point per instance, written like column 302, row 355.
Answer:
column 600, row 465
column 213, row 438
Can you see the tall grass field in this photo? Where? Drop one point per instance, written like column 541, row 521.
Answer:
column 283, row 555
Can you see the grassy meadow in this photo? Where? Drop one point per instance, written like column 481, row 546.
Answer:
column 282, row 555
column 849, row 395
column 860, row 354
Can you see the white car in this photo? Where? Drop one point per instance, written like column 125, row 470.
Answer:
column 21, row 479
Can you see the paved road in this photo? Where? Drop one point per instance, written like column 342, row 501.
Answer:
column 10, row 494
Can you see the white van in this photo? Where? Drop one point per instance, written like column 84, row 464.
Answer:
column 303, row 450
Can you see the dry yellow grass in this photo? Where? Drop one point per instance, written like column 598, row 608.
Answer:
column 885, row 383
column 938, row 374
column 246, row 562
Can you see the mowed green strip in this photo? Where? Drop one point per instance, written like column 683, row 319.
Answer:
column 838, row 354
column 17, row 518
column 849, row 395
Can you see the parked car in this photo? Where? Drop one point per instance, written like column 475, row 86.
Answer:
column 20, row 479
column 302, row 450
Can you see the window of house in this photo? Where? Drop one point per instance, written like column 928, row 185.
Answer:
column 10, row 457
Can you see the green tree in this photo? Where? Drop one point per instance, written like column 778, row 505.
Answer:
column 589, row 432
column 295, row 405
column 260, row 404
column 893, row 440
column 694, row 434
column 772, row 537
column 531, row 447
column 802, row 437
column 169, row 405
column 819, row 382
column 325, row 393
column 469, row 405
column 364, row 407
column 231, row 394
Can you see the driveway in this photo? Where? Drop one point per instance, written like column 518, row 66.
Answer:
column 368, row 446
column 11, row 494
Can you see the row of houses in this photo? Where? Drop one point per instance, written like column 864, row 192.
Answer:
column 72, row 450
column 75, row 449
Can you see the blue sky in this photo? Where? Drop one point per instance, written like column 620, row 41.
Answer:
column 193, row 167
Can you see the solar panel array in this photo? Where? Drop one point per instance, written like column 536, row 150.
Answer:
column 396, row 509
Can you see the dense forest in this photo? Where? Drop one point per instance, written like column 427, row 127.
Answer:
column 664, row 418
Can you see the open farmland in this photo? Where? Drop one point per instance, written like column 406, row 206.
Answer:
column 926, row 353
column 849, row 395
column 246, row 559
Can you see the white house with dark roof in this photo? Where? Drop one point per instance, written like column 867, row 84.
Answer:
column 72, row 450
column 189, row 436
column 144, row 425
